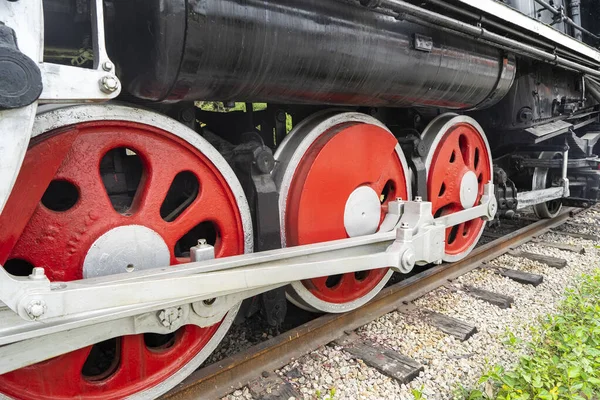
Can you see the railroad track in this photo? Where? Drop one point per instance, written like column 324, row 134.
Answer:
column 220, row 378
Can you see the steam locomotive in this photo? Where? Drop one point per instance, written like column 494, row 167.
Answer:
column 168, row 167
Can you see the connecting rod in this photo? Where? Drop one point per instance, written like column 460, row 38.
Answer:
column 417, row 239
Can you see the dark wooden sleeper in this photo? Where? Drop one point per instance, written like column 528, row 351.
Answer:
column 272, row 387
column 451, row 326
column 561, row 246
column 388, row 362
column 553, row 262
column 496, row 299
column 525, row 278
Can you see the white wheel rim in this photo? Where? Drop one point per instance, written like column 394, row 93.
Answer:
column 52, row 118
column 288, row 156
column 431, row 137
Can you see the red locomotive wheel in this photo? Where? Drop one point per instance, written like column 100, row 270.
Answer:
column 337, row 185
column 458, row 166
column 67, row 213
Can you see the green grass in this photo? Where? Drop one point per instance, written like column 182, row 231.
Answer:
column 564, row 355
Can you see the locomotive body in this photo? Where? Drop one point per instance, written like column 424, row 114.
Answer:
column 266, row 152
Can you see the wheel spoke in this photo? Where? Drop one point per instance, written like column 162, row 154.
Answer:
column 210, row 207
column 152, row 191
column 443, row 203
column 319, row 284
column 133, row 358
column 29, row 188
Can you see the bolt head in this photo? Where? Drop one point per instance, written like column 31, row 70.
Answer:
column 107, row 66
column 404, row 225
column 408, row 261
column 187, row 115
column 109, row 84
column 36, row 308
column 398, row 198
column 37, row 273
column 170, row 317
column 418, row 198
column 492, row 208
column 263, row 159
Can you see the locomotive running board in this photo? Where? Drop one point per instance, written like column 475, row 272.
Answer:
column 514, row 17
column 162, row 299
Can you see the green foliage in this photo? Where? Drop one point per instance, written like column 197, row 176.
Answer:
column 511, row 339
column 564, row 357
column 327, row 396
column 217, row 106
column 418, row 393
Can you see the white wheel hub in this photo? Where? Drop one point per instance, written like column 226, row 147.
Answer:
column 468, row 189
column 125, row 249
column 362, row 212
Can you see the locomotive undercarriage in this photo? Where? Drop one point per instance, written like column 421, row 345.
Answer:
column 126, row 228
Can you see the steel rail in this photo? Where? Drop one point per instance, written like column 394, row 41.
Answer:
column 219, row 379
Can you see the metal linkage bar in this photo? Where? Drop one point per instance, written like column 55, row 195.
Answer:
column 526, row 199
column 25, row 349
column 419, row 238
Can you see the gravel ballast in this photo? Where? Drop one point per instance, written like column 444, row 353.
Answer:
column 449, row 363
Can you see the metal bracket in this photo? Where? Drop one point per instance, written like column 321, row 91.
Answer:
column 415, row 150
column 68, row 84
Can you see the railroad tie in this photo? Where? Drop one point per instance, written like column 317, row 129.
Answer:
column 525, row 278
column 451, row 326
column 576, row 235
column 561, row 246
column 494, row 298
column 388, row 362
column 271, row 387
column 553, row 262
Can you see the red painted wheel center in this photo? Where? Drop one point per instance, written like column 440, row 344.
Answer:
column 461, row 152
column 341, row 160
column 57, row 234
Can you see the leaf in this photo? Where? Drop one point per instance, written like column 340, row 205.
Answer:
column 573, row 372
column 544, row 395
column 594, row 381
